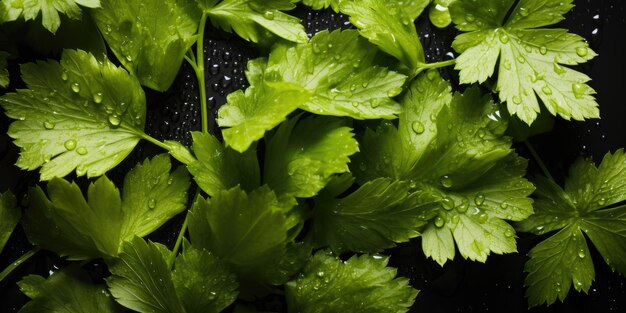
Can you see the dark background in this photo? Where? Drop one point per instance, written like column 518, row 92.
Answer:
column 460, row 286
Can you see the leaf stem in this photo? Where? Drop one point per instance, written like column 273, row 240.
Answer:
column 199, row 69
column 179, row 241
column 154, row 141
column 535, row 155
column 18, row 262
column 423, row 66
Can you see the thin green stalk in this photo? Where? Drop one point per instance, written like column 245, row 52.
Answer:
column 542, row 166
column 199, row 69
column 7, row 271
column 154, row 141
column 179, row 241
column 437, row 64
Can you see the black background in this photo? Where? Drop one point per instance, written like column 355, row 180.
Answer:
column 460, row 286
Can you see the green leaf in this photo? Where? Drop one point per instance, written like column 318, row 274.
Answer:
column 9, row 216
column 587, row 204
column 531, row 58
column 248, row 231
column 150, row 38
column 374, row 217
column 141, row 279
column 81, row 114
column 339, row 72
column 322, row 4
column 220, row 168
column 302, row 156
column 29, row 10
column 389, row 25
column 454, row 151
column 202, row 282
column 69, row 290
column 360, row 284
column 251, row 19
column 251, row 113
column 4, row 72
column 70, row 225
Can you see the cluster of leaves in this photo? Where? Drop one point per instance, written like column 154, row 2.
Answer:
column 363, row 141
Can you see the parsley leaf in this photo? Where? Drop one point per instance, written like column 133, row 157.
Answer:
column 150, row 38
column 456, row 152
column 374, row 217
column 202, row 282
column 302, row 156
column 531, row 58
column 141, row 279
column 322, row 4
column 389, row 26
column 248, row 231
column 250, row 19
column 70, row 225
column 4, row 72
column 66, row 291
column 9, row 216
column 11, row 10
column 304, row 76
column 81, row 114
column 585, row 205
column 360, row 284
column 219, row 168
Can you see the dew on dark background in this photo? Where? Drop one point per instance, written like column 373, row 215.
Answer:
column 459, row 286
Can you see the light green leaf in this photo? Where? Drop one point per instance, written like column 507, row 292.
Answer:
column 303, row 155
column 454, row 151
column 248, row 231
column 531, row 58
column 251, row 19
column 251, row 113
column 69, row 290
column 81, row 114
column 9, row 216
column 150, row 38
column 338, row 70
column 11, row 10
column 586, row 205
column 65, row 222
column 141, row 279
column 219, row 168
column 322, row 4
column 202, row 282
column 374, row 217
column 390, row 27
column 360, row 284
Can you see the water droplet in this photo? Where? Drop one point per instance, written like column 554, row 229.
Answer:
column 581, row 253
column 439, row 221
column 70, row 144
column 75, row 87
column 523, row 12
column 64, row 75
column 483, row 217
column 320, row 274
column 470, row 17
column 546, row 90
column 479, row 199
column 447, row 203
column 602, row 201
column 504, row 38
column 558, row 68
column 446, row 181
column 507, row 64
column 114, row 120
column 543, row 50
column 582, row 51
column 81, row 150
column 48, row 125
column 481, row 133
column 97, row 97
column 579, row 90
column 509, row 233
column 269, row 15
column 417, row 127
column 521, row 59
column 152, row 203
column 517, row 99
